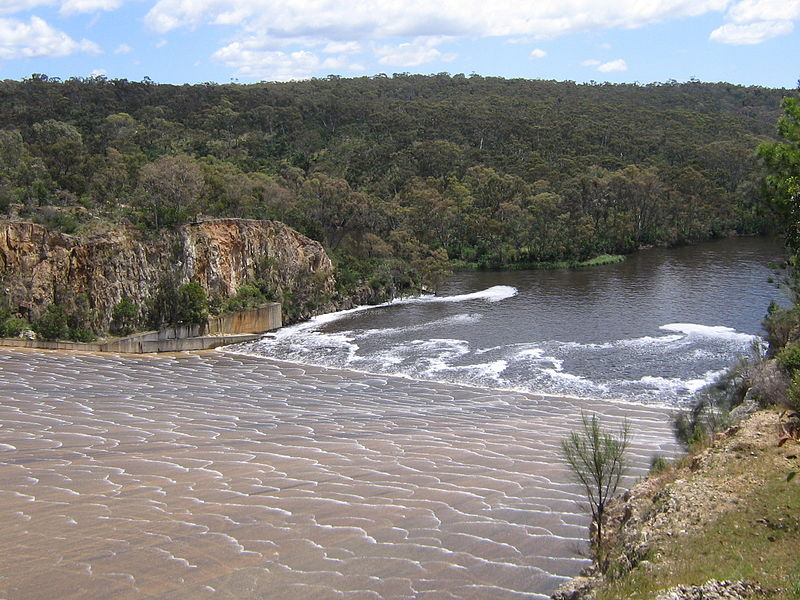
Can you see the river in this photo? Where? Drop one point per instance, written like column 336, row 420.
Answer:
column 653, row 329
column 222, row 475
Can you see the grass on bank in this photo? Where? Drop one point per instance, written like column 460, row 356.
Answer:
column 603, row 259
column 757, row 541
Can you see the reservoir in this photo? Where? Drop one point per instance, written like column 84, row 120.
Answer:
column 407, row 451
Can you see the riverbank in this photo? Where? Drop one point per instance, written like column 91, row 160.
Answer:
column 727, row 514
column 603, row 259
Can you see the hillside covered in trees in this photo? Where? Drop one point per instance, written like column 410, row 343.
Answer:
column 396, row 176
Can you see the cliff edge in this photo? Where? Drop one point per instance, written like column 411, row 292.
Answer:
column 39, row 267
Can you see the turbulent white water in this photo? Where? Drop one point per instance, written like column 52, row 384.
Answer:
column 655, row 329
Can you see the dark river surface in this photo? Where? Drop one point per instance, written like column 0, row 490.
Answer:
column 653, row 329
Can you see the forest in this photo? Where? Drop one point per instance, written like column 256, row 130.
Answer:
column 401, row 177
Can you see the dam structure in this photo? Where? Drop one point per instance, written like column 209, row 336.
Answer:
column 222, row 330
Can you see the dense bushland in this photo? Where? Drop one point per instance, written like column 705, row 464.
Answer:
column 396, row 176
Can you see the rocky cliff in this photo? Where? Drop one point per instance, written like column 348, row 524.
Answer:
column 38, row 267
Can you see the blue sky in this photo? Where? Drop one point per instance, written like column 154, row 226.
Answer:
column 752, row 42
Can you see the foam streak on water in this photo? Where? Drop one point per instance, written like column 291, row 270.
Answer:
column 224, row 476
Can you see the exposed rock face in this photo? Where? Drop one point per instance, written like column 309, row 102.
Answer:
column 38, row 266
column 714, row 590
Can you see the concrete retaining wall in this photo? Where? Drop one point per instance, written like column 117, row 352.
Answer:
column 47, row 345
column 256, row 320
column 243, row 326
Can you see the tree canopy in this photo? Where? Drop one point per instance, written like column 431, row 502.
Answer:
column 397, row 176
column 783, row 164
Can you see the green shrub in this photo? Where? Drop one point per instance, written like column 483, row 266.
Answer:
column 192, row 303
column 782, row 326
column 6, row 198
column 163, row 308
column 217, row 304
column 13, row 327
column 53, row 325
column 57, row 220
column 81, row 334
column 696, row 427
column 789, row 357
column 658, row 465
column 793, row 394
column 125, row 317
column 248, row 296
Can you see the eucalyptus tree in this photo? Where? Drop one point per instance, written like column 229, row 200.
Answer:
column 783, row 164
column 596, row 458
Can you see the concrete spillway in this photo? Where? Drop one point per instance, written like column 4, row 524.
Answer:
column 221, row 476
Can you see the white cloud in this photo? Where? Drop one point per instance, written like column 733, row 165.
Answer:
column 69, row 7
column 749, row 11
column 538, row 53
column 123, row 49
column 755, row 21
column 342, row 48
column 252, row 60
column 751, row 33
column 98, row 73
column 333, row 19
column 287, row 28
column 8, row 7
column 37, row 39
column 613, row 66
column 411, row 54
column 607, row 67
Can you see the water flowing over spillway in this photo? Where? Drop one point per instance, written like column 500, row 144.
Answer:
column 228, row 475
column 219, row 476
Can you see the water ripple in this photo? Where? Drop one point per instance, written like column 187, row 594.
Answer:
column 224, row 476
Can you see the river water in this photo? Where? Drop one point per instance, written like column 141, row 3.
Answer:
column 221, row 475
column 654, row 328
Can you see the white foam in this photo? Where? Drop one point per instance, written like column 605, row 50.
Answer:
column 672, row 384
column 712, row 331
column 493, row 294
column 648, row 340
column 558, row 374
column 480, row 370
column 537, row 355
column 460, row 319
column 534, row 353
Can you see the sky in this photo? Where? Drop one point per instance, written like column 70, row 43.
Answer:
column 749, row 42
